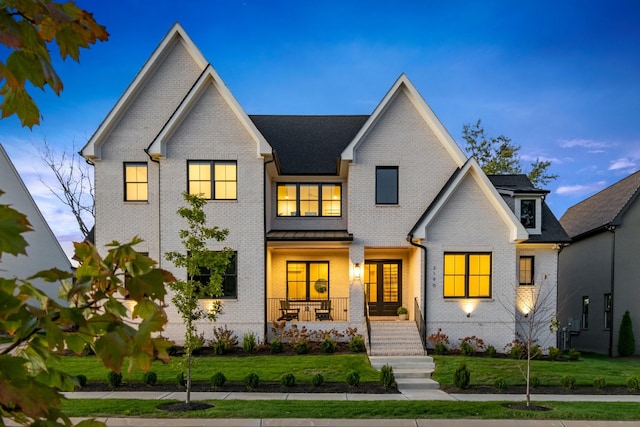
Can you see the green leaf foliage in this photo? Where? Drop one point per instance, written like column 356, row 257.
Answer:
column 626, row 340
column 27, row 28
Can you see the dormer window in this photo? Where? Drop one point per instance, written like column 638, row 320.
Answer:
column 528, row 213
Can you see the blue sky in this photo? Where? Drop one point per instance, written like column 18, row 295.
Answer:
column 561, row 78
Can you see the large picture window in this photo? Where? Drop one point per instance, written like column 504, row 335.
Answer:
column 309, row 200
column 526, row 270
column 213, row 180
column 467, row 275
column 136, row 182
column 229, row 278
column 308, row 280
column 386, row 185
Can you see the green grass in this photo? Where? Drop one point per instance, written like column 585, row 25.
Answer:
column 333, row 367
column 356, row 410
column 484, row 370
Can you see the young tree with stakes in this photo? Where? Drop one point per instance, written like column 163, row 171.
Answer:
column 187, row 293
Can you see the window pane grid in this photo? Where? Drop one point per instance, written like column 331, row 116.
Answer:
column 467, row 275
column 213, row 180
column 309, row 200
column 308, row 280
column 136, row 182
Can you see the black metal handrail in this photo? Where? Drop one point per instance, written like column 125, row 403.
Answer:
column 367, row 319
column 422, row 326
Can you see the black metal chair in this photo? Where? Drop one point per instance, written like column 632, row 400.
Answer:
column 287, row 312
column 324, row 312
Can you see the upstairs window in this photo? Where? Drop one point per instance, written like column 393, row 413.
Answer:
column 213, row 180
column 309, row 200
column 467, row 275
column 136, row 183
column 386, row 185
column 528, row 213
column 526, row 270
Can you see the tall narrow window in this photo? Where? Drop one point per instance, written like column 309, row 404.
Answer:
column 528, row 213
column 308, row 280
column 585, row 313
column 526, row 270
column 331, row 199
column 136, row 184
column 608, row 311
column 387, row 185
column 213, row 180
column 309, row 200
column 467, row 275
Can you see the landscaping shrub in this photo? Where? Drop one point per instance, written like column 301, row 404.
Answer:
column 251, row 381
column 288, row 380
column 225, row 338
column 150, row 378
column 568, row 381
column 599, row 383
column 181, row 380
column 534, row 381
column 249, row 342
column 491, row 351
column 356, row 344
column 328, row 345
column 440, row 349
column 218, row 380
column 500, row 384
column 626, row 340
column 301, row 347
column 114, row 379
column 219, row 348
column 462, row 377
column 387, row 378
column 276, row 346
column 573, row 354
column 466, row 349
column 554, row 353
column 353, row 378
column 633, row 383
column 516, row 350
column 82, row 380
column 317, row 380
column 535, row 351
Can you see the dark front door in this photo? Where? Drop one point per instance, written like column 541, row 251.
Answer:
column 383, row 282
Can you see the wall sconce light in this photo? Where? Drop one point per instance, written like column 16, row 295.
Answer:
column 469, row 314
column 526, row 314
column 356, row 271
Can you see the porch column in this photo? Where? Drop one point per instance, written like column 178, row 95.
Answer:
column 356, row 289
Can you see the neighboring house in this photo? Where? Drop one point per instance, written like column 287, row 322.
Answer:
column 363, row 213
column 43, row 250
column 599, row 273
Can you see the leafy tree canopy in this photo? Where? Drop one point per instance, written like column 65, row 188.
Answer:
column 499, row 156
column 28, row 28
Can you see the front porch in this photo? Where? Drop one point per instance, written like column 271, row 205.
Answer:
column 309, row 310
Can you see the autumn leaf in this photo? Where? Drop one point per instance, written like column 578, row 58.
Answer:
column 12, row 225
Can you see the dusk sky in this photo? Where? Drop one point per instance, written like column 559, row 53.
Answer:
column 560, row 78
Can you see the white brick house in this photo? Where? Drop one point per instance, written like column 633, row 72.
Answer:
column 369, row 212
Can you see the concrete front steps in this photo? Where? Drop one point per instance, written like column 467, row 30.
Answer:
column 398, row 344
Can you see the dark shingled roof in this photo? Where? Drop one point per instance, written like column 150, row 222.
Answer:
column 308, row 145
column 602, row 209
column 552, row 231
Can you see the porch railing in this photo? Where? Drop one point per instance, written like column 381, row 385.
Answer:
column 367, row 319
column 422, row 326
column 339, row 309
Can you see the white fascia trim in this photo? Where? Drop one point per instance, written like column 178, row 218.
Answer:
column 403, row 83
column 92, row 149
column 158, row 148
column 517, row 232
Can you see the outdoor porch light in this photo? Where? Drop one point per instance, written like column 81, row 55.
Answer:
column 356, row 271
column 468, row 314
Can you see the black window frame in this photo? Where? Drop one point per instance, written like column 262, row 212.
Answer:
column 532, row 203
column 320, row 185
column 532, row 270
column 395, row 199
column 212, row 180
column 466, row 275
column 308, row 280
column 584, row 321
column 125, row 182
column 608, row 311
column 229, row 278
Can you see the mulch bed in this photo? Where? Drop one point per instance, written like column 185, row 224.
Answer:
column 265, row 387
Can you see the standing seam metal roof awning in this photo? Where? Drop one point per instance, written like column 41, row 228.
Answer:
column 310, row 236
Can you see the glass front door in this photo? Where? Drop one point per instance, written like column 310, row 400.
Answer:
column 383, row 282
